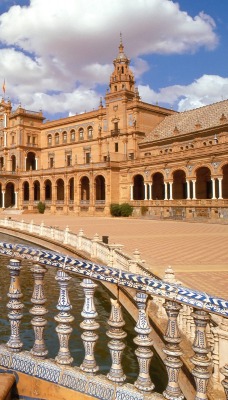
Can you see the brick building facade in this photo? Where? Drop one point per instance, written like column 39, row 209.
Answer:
column 162, row 162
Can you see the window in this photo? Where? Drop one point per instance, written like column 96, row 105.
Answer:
column 116, row 147
column 68, row 160
column 51, row 162
column 49, row 140
column 72, row 136
column 81, row 134
column 29, row 139
column 90, row 132
column 12, row 140
column 56, row 138
column 87, row 158
column 64, row 137
column 34, row 140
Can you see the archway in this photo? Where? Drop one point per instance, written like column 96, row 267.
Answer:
column 26, row 191
column 138, row 188
column 203, row 183
column 36, row 186
column 179, row 185
column 9, row 195
column 158, row 190
column 225, row 182
column 85, row 188
column 48, row 189
column 31, row 161
column 60, row 190
column 100, row 187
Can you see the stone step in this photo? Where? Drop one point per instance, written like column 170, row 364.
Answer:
column 6, row 384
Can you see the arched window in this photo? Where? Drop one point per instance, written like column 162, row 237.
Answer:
column 81, row 134
column 72, row 135
column 64, row 137
column 57, row 138
column 90, row 132
column 49, row 140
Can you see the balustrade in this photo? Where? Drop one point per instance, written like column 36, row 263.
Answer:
column 165, row 292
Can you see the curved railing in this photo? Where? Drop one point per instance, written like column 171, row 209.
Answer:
column 174, row 297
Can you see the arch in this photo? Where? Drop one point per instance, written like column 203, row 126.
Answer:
column 48, row 189
column 36, row 186
column 71, row 189
column 158, row 190
column 179, row 185
column 90, row 132
column 85, row 188
column 81, row 133
column 13, row 163
column 9, row 195
column 31, row 161
column 72, row 135
column 26, row 191
column 64, row 137
column 49, row 140
column 138, row 188
column 203, row 183
column 225, row 181
column 100, row 187
column 60, row 190
column 56, row 138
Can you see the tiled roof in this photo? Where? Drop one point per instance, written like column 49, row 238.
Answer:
column 189, row 121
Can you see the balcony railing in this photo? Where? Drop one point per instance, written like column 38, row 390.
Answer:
column 182, row 306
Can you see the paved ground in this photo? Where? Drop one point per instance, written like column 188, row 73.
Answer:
column 197, row 252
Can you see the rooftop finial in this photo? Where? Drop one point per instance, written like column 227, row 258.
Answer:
column 121, row 42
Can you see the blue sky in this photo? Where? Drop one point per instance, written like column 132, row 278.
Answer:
column 57, row 55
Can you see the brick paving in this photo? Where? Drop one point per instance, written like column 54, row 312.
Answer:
column 196, row 251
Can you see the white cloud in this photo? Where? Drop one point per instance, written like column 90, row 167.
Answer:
column 203, row 91
column 68, row 47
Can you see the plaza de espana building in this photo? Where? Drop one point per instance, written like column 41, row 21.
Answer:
column 162, row 162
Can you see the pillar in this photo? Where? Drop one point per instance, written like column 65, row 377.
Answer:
column 3, row 198
column 213, row 189
column 166, row 198
column 170, row 190
column 145, row 191
column 131, row 192
column 193, row 189
column 36, row 163
column 188, row 190
column 150, row 191
column 16, row 199
column 220, row 188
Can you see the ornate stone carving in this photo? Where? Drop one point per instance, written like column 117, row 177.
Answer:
column 201, row 361
column 173, row 352
column 15, row 306
column 64, row 318
column 116, row 345
column 38, row 310
column 143, row 351
column 89, row 325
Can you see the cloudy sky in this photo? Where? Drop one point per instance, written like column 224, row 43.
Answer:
column 57, row 55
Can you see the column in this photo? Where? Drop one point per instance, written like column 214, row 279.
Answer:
column 170, row 190
column 150, row 191
column 220, row 188
column 213, row 189
column 193, row 189
column 25, row 162
column 131, row 192
column 36, row 163
column 188, row 190
column 166, row 198
column 3, row 198
column 16, row 198
column 145, row 191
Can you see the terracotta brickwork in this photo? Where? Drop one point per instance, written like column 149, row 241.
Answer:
column 166, row 163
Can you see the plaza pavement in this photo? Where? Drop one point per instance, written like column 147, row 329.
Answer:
column 197, row 252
